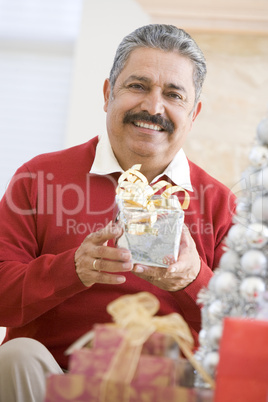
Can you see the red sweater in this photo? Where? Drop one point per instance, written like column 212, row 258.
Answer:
column 51, row 204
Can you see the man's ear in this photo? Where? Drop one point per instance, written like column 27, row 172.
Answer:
column 106, row 93
column 197, row 110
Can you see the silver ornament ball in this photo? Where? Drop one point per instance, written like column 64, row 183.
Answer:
column 236, row 237
column 211, row 284
column 258, row 156
column 257, row 235
column 251, row 288
column 210, row 362
column 242, row 208
column 215, row 310
column 260, row 209
column 254, row 262
column 202, row 337
column 262, row 131
column 225, row 282
column 230, row 260
column 214, row 335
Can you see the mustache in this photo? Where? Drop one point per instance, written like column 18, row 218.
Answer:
column 167, row 125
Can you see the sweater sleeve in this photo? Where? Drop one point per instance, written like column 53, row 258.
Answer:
column 31, row 282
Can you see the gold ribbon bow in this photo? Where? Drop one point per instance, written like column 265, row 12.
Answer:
column 133, row 188
column 135, row 314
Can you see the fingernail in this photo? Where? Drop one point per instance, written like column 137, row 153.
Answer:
column 127, row 265
column 120, row 279
column 126, row 256
column 172, row 269
column 139, row 268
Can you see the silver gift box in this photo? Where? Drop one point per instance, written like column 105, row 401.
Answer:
column 152, row 236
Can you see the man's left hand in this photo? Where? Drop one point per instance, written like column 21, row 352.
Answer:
column 179, row 274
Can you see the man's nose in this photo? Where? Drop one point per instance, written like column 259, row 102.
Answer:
column 153, row 103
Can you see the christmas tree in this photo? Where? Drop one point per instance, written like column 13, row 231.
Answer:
column 239, row 285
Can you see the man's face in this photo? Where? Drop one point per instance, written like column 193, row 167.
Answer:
column 151, row 109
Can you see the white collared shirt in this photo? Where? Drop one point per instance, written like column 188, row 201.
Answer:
column 105, row 163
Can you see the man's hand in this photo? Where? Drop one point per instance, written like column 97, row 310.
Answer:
column 179, row 274
column 95, row 262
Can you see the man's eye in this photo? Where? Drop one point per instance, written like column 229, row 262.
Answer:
column 136, row 86
column 175, row 95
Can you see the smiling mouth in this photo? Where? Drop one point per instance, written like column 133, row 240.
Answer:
column 152, row 122
column 147, row 125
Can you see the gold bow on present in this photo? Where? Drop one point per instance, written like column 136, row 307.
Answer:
column 135, row 314
column 134, row 190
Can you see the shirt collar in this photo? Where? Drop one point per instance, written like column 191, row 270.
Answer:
column 105, row 163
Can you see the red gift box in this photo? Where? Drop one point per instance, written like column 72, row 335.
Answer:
column 154, row 379
column 242, row 372
column 118, row 367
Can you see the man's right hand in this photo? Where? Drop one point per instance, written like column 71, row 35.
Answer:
column 96, row 262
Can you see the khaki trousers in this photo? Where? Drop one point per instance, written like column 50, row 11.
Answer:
column 24, row 367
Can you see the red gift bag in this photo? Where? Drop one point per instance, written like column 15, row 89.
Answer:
column 242, row 373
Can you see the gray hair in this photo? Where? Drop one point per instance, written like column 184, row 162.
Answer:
column 164, row 37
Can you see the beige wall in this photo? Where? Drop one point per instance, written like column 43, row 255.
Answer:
column 235, row 99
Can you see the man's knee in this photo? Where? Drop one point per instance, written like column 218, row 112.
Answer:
column 24, row 351
column 20, row 348
column 24, row 366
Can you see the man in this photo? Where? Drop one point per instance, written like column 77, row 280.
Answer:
column 59, row 269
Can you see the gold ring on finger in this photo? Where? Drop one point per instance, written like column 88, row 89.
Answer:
column 94, row 265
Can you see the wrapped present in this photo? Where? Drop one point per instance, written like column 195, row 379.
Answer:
column 117, row 367
column 152, row 223
column 242, row 372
